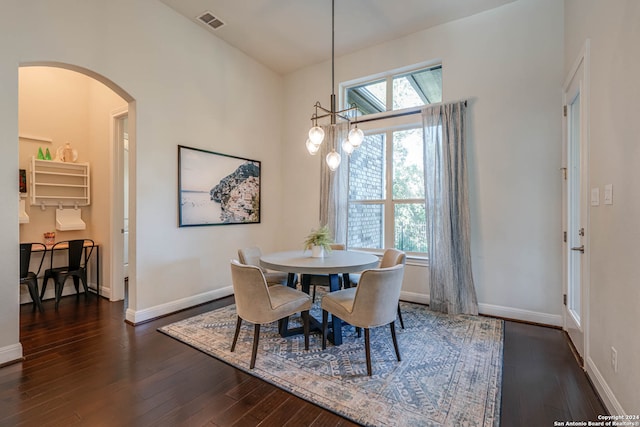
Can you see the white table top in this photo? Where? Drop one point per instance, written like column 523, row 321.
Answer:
column 335, row 262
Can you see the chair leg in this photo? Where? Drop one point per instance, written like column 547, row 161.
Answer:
column 83, row 279
column 305, row 326
column 256, row 338
column 392, row 325
column 325, row 321
column 33, row 297
column 235, row 336
column 367, row 349
column 76, row 284
column 313, row 298
column 59, row 285
column 37, row 301
column 400, row 316
column 32, row 285
column 44, row 285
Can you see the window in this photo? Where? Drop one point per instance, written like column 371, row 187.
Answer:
column 386, row 173
column 397, row 91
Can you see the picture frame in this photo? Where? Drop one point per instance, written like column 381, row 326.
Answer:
column 217, row 189
column 22, row 177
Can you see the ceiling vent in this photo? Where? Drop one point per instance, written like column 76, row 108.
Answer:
column 209, row 20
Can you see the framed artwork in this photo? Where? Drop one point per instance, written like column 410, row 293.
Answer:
column 23, row 180
column 217, row 189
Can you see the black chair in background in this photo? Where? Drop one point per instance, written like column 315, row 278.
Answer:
column 30, row 278
column 79, row 253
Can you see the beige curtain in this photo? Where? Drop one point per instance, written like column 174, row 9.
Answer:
column 334, row 189
column 447, row 203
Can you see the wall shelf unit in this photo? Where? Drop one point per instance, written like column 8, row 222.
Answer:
column 59, row 183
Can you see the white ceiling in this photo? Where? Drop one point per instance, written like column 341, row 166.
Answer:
column 286, row 35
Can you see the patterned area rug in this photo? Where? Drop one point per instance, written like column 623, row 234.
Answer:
column 450, row 374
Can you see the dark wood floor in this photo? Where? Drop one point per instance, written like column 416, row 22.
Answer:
column 85, row 366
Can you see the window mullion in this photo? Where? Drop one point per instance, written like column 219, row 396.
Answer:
column 389, row 206
column 389, row 100
column 404, row 201
column 368, row 202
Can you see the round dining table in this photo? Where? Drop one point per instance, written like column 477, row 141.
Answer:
column 333, row 264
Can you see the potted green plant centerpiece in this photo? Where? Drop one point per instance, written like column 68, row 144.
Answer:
column 319, row 241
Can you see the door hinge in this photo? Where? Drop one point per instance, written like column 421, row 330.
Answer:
column 564, row 236
column 564, row 110
column 564, row 173
column 564, row 299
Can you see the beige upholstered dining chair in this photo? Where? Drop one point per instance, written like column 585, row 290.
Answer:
column 259, row 304
column 390, row 258
column 372, row 303
column 323, row 279
column 251, row 256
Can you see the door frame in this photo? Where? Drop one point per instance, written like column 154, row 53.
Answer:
column 581, row 63
column 117, row 206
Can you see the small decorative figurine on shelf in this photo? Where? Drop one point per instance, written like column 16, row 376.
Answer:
column 66, row 153
column 40, row 154
column 47, row 155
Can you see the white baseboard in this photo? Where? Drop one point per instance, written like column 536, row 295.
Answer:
column 140, row 316
column 603, row 389
column 10, row 353
column 520, row 314
column 69, row 289
column 105, row 291
column 414, row 297
column 496, row 310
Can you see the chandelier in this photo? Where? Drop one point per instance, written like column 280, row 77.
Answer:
column 316, row 133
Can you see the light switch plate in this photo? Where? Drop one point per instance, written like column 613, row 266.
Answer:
column 608, row 194
column 595, row 196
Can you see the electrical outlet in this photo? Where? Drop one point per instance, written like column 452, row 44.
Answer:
column 614, row 359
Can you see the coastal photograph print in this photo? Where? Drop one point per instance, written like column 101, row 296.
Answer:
column 217, row 189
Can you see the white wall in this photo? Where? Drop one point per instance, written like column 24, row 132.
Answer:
column 614, row 153
column 10, row 347
column 508, row 63
column 189, row 88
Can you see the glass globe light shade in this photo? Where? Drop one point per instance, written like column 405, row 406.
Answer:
column 333, row 160
column 356, row 136
column 311, row 147
column 316, row 135
column 347, row 147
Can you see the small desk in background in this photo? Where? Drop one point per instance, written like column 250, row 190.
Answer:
column 62, row 247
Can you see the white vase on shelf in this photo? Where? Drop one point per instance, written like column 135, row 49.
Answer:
column 65, row 153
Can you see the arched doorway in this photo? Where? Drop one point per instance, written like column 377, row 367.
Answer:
column 87, row 115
